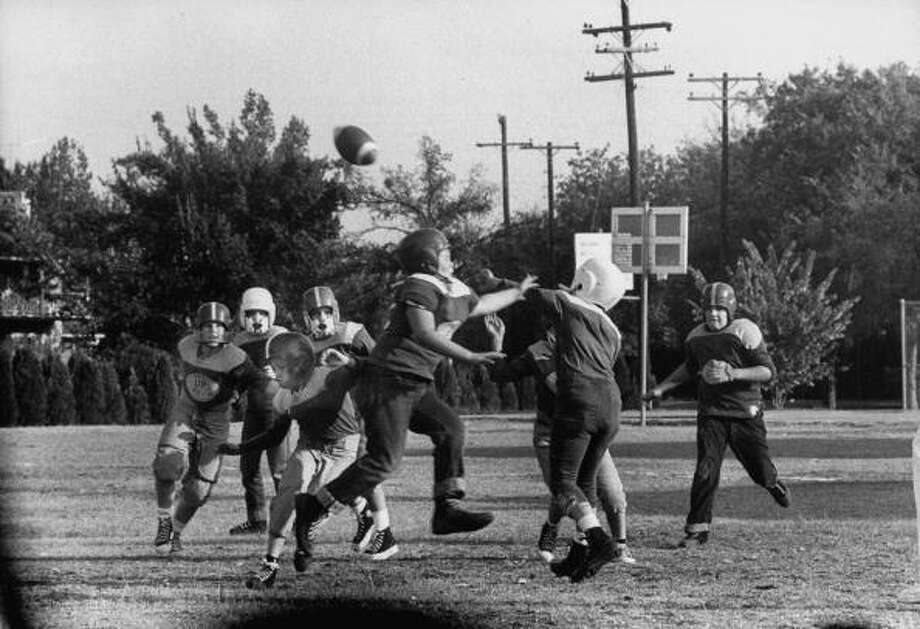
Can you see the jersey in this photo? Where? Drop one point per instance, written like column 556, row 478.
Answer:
column 322, row 408
column 448, row 299
column 539, row 361
column 254, row 344
column 217, row 379
column 348, row 337
column 740, row 344
column 587, row 341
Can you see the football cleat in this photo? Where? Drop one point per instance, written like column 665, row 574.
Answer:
column 780, row 493
column 249, row 527
column 547, row 541
column 264, row 577
column 383, row 546
column 302, row 559
column 162, row 543
column 697, row 538
column 622, row 554
column 600, row 552
column 310, row 516
column 176, row 546
column 365, row 531
column 449, row 518
column 577, row 553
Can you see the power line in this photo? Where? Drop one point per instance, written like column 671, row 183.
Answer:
column 550, row 149
column 725, row 101
column 504, row 144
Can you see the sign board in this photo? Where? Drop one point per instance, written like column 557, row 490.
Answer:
column 597, row 245
column 667, row 238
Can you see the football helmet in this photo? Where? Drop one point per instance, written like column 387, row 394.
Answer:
column 213, row 312
column 599, row 281
column 257, row 298
column 418, row 252
column 320, row 325
column 721, row 295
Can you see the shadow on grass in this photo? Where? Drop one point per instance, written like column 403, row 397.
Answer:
column 875, row 500
column 804, row 448
column 353, row 612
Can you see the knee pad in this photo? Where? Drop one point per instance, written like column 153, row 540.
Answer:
column 169, row 464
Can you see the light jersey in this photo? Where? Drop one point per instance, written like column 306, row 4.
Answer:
column 215, row 380
column 322, row 408
column 740, row 344
column 587, row 341
column 347, row 337
column 450, row 300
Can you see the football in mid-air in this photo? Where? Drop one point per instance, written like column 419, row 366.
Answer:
column 355, row 145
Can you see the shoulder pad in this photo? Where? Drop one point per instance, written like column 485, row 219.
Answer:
column 453, row 288
column 747, row 331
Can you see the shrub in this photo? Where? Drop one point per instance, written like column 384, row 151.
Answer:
column 29, row 382
column 61, row 402
column 9, row 411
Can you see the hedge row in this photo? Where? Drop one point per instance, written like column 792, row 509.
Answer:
column 139, row 385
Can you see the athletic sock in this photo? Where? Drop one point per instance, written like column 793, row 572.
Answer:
column 381, row 519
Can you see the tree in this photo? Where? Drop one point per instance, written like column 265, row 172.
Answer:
column 31, row 394
column 88, row 388
column 227, row 208
column 115, row 411
column 9, row 411
column 61, row 402
column 802, row 321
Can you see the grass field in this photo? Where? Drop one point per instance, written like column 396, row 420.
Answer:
column 79, row 516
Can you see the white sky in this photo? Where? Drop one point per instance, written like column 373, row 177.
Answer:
column 95, row 70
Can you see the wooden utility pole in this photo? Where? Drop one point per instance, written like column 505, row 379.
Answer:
column 724, row 102
column 628, row 73
column 504, row 144
column 549, row 147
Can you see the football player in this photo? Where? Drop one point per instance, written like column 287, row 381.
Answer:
column 329, row 333
column 587, row 407
column 396, row 392
column 539, row 361
column 316, row 398
column 214, row 373
column 257, row 320
column 727, row 357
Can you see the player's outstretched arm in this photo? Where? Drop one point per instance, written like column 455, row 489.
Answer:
column 674, row 380
column 499, row 300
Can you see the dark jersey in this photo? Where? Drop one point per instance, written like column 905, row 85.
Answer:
column 537, row 361
column 254, row 344
column 587, row 341
column 322, row 408
column 450, row 300
column 348, row 337
column 219, row 378
column 740, row 344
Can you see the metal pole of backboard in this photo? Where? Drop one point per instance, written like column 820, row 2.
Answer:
column 904, row 370
column 646, row 260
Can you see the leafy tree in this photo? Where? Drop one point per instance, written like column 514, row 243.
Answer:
column 803, row 322
column 89, row 389
column 9, row 411
column 61, row 402
column 115, row 411
column 31, row 393
column 224, row 209
column 136, row 400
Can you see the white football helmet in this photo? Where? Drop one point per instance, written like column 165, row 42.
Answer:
column 257, row 298
column 600, row 282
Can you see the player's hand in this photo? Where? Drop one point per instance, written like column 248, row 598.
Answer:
column 529, row 281
column 652, row 394
column 270, row 372
column 495, row 327
column 485, row 358
column 716, row 372
column 335, row 358
column 231, row 449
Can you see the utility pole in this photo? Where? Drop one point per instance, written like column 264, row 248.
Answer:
column 727, row 83
column 504, row 144
column 628, row 73
column 549, row 147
